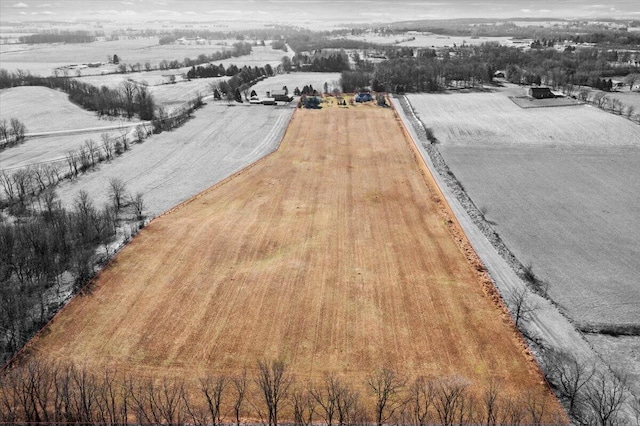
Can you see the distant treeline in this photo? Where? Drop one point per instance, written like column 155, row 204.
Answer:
column 245, row 74
column 59, row 37
column 128, row 100
column 473, row 65
column 322, row 61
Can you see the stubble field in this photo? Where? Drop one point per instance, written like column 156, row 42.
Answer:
column 332, row 253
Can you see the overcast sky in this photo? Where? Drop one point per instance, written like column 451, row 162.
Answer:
column 290, row 11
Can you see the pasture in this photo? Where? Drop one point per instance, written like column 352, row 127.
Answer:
column 333, row 254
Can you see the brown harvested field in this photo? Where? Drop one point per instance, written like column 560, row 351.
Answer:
column 333, row 253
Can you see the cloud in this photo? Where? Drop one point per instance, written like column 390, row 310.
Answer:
column 127, row 2
column 20, row 5
column 525, row 10
column 42, row 6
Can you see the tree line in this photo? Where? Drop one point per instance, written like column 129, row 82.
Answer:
column 12, row 132
column 246, row 73
column 127, row 100
column 322, row 61
column 47, row 245
column 59, row 37
column 269, row 394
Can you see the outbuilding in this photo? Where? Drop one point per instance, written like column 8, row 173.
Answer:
column 541, row 93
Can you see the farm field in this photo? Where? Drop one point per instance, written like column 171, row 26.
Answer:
column 170, row 167
column 561, row 195
column 45, row 110
column 571, row 214
column 332, row 254
column 492, row 119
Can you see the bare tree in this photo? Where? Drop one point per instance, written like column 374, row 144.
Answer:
column 212, row 387
column 348, row 402
column 386, row 386
column 4, row 131
column 92, row 150
column 605, row 396
column 513, row 412
column 83, row 157
column 22, row 182
column 18, row 130
column 326, row 395
column 490, row 401
column 107, row 146
column 117, row 192
column 137, row 202
column 273, row 382
column 240, row 385
column 421, row 398
column 570, row 376
column 6, row 180
column 521, row 305
column 72, row 162
column 450, row 396
column 303, row 405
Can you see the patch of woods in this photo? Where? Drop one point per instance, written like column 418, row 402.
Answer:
column 56, row 36
column 267, row 394
column 12, row 133
column 320, row 61
column 48, row 253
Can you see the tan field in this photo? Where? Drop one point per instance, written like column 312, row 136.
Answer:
column 335, row 254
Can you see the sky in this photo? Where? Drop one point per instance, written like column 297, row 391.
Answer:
column 291, row 11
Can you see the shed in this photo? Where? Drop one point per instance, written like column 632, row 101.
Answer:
column 540, row 92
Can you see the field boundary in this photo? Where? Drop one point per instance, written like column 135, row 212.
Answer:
column 228, row 178
column 462, row 241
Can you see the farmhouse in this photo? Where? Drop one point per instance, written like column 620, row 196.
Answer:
column 540, row 92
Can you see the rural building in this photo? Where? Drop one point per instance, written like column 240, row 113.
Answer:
column 280, row 95
column 540, row 92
